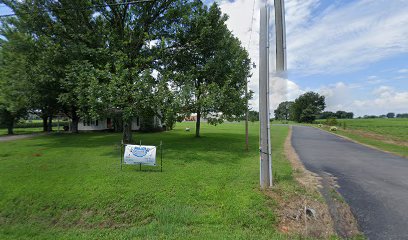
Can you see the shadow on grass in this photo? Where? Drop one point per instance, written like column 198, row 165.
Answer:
column 177, row 145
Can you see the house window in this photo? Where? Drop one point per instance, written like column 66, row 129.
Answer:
column 96, row 123
column 137, row 121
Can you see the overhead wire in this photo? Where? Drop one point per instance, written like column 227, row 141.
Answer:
column 251, row 28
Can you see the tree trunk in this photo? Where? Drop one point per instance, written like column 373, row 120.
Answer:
column 246, row 129
column 127, row 132
column 10, row 128
column 45, row 125
column 198, row 123
column 75, row 122
column 49, row 129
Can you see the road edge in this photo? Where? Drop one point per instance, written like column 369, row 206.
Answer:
column 343, row 221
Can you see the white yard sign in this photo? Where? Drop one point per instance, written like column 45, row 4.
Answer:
column 139, row 154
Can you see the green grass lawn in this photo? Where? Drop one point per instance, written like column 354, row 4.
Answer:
column 71, row 186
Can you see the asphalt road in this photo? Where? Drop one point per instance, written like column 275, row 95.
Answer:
column 373, row 183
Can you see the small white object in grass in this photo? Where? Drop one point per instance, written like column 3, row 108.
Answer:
column 333, row 128
column 187, row 129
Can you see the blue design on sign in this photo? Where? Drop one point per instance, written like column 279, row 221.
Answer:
column 140, row 151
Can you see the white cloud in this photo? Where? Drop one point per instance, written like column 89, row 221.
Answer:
column 283, row 89
column 373, row 80
column 404, row 70
column 381, row 100
column 239, row 22
column 349, row 37
column 340, row 38
column 338, row 96
column 384, row 99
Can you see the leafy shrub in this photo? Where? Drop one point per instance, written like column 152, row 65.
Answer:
column 320, row 125
column 333, row 128
column 331, row 121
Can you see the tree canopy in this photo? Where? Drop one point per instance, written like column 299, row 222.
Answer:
column 283, row 112
column 88, row 58
column 307, row 107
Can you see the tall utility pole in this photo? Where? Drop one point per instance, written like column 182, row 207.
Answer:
column 280, row 32
column 278, row 69
column 265, row 145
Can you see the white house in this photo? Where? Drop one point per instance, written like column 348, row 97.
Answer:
column 107, row 124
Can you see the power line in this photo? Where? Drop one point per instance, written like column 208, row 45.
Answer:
column 90, row 7
column 246, row 85
column 252, row 23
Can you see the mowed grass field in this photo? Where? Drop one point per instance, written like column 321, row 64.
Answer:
column 67, row 186
column 386, row 134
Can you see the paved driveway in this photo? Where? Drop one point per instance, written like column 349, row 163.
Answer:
column 374, row 183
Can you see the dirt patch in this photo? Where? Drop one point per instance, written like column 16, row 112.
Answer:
column 18, row 137
column 330, row 214
column 295, row 218
column 378, row 137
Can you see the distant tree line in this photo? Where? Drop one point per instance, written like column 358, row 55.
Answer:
column 402, row 115
column 337, row 115
column 388, row 115
column 307, row 108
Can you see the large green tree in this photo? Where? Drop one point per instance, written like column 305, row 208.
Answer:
column 149, row 58
column 14, row 73
column 65, row 33
column 135, row 37
column 283, row 111
column 212, row 67
column 307, row 107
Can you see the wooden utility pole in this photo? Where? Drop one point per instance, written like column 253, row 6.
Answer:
column 246, row 119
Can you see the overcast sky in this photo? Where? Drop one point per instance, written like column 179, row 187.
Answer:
column 355, row 52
